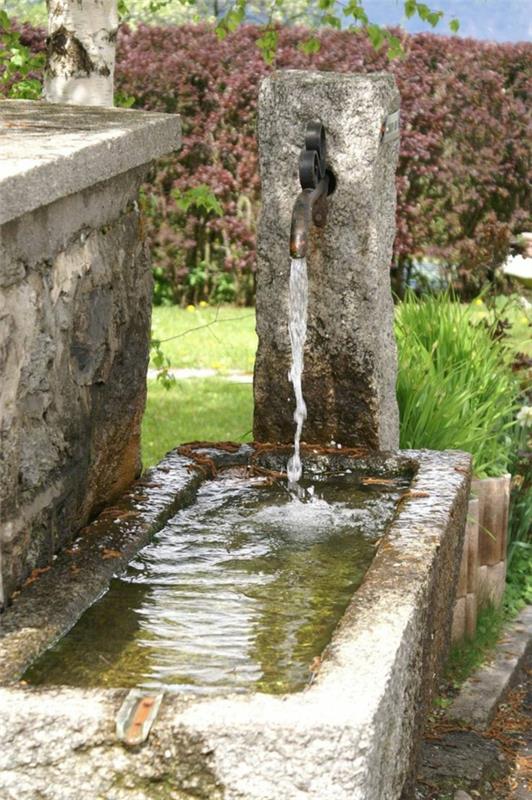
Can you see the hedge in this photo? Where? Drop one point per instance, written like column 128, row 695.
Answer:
column 464, row 168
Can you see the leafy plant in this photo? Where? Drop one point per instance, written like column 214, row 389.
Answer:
column 455, row 386
column 200, row 197
column 161, row 362
column 18, row 64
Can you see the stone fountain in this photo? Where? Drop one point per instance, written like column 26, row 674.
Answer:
column 352, row 730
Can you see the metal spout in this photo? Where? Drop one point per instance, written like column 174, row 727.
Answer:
column 310, row 207
column 311, row 204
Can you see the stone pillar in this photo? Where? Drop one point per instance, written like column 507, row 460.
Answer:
column 75, row 308
column 350, row 353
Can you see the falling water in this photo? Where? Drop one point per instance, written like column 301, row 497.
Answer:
column 297, row 327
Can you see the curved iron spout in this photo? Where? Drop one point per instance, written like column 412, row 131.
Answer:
column 310, row 207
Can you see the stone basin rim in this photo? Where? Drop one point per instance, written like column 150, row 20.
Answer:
column 29, row 627
column 352, row 735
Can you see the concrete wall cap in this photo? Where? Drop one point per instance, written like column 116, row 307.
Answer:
column 49, row 151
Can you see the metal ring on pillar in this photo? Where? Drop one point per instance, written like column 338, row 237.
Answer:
column 309, row 169
column 315, row 140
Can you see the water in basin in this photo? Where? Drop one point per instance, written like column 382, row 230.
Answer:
column 238, row 592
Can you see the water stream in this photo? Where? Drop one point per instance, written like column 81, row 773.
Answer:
column 297, row 327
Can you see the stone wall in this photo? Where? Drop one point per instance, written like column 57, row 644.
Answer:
column 75, row 308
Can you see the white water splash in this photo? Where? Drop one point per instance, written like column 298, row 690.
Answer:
column 297, row 326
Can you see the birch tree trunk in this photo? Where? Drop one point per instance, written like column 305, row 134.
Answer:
column 81, row 52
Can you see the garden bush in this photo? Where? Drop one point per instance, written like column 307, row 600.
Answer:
column 455, row 387
column 464, row 165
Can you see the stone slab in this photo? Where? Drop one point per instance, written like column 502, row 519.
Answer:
column 48, row 151
column 460, row 755
column 351, row 735
column 481, row 694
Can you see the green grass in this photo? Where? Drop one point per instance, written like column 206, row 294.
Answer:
column 221, row 338
column 210, row 409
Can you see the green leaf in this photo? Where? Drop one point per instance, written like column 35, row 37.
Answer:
column 267, row 44
column 123, row 10
column 434, row 17
column 410, row 8
column 310, row 46
column 454, row 25
column 123, row 100
column 353, row 9
column 332, row 20
column 376, row 35
column 201, row 197
column 422, row 11
column 395, row 47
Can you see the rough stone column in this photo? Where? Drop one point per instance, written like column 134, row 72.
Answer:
column 350, row 353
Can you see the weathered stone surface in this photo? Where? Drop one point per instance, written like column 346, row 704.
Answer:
column 350, row 355
column 48, row 151
column 351, row 735
column 75, row 307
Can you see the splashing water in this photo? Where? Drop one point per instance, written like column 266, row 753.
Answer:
column 297, row 326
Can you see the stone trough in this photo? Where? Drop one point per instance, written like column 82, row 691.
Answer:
column 352, row 733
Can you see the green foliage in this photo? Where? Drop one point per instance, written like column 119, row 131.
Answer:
column 520, row 521
column 267, row 44
column 455, row 386
column 161, row 363
column 519, row 580
column 122, row 100
column 200, row 197
column 32, row 11
column 17, row 64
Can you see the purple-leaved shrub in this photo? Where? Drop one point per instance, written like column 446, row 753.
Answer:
column 464, row 171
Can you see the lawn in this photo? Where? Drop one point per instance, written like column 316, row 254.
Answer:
column 212, row 409
column 221, row 338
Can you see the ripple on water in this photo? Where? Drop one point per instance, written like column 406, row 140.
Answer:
column 238, row 592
